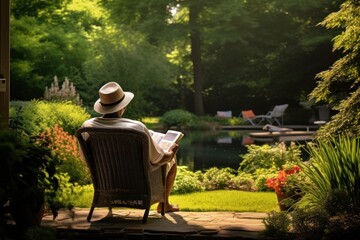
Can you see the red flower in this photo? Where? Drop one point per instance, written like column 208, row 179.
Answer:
column 278, row 183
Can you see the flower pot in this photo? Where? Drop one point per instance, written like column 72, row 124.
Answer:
column 287, row 199
column 28, row 210
column 26, row 216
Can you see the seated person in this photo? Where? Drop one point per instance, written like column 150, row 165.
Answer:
column 112, row 104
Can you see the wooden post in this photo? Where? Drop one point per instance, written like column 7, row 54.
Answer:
column 4, row 61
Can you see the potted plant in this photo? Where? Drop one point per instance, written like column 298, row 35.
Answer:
column 27, row 170
column 286, row 187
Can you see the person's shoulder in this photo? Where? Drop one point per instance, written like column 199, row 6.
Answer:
column 128, row 120
column 89, row 122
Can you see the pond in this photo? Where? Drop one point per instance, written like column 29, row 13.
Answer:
column 201, row 150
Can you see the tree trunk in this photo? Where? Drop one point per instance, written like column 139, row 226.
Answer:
column 196, row 58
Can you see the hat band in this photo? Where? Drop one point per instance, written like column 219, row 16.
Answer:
column 112, row 104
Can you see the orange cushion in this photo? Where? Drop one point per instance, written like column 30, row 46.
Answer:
column 248, row 114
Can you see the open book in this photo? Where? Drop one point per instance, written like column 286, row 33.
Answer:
column 166, row 140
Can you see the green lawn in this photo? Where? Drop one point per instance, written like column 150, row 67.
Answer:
column 220, row 200
column 226, row 200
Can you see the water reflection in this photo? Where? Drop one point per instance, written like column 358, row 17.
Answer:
column 200, row 150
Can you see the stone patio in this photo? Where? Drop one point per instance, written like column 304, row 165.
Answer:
column 126, row 224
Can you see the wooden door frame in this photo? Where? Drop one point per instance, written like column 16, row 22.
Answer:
column 4, row 61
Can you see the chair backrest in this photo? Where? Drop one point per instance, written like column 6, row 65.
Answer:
column 118, row 160
column 247, row 114
column 279, row 110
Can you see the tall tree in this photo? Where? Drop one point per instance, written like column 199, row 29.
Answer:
column 340, row 84
column 195, row 39
column 156, row 20
column 165, row 22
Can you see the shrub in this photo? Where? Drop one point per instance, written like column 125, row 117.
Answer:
column 277, row 224
column 64, row 147
column 336, row 202
column 215, row 178
column 178, row 117
column 266, row 156
column 186, row 181
column 35, row 117
column 261, row 175
column 309, row 223
column 243, row 181
column 334, row 167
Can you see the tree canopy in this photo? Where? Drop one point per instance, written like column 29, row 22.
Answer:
column 201, row 56
column 339, row 86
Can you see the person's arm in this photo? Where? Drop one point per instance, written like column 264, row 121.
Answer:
column 168, row 156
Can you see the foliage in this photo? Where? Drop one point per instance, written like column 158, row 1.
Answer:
column 66, row 92
column 309, row 223
column 232, row 121
column 261, row 175
column 339, row 85
column 267, row 39
column 28, row 171
column 71, row 195
column 215, row 178
column 150, row 82
column 227, row 178
column 35, row 116
column 34, row 120
column 211, row 179
column 177, row 117
column 186, row 181
column 48, row 37
column 64, row 147
column 243, row 181
column 266, row 156
column 64, row 196
column 334, row 168
column 345, row 226
column 277, row 224
column 12, row 151
column 285, row 181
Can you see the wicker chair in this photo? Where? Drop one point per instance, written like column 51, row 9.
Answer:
column 121, row 172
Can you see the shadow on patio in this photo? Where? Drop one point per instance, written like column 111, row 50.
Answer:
column 126, row 224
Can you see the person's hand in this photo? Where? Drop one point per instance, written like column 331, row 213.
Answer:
column 174, row 148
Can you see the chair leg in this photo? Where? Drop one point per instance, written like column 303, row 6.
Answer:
column 146, row 214
column 90, row 214
column 277, row 121
column 110, row 213
column 251, row 122
column 162, row 209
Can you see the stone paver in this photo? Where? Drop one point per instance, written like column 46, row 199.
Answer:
column 126, row 224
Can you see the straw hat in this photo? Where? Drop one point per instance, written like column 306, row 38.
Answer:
column 112, row 98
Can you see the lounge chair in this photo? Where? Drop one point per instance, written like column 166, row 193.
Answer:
column 224, row 114
column 274, row 116
column 120, row 169
column 249, row 115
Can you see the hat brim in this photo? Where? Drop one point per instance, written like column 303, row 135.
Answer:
column 111, row 109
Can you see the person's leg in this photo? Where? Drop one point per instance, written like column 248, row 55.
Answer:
column 170, row 179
